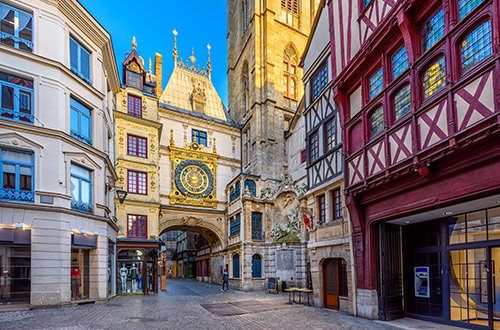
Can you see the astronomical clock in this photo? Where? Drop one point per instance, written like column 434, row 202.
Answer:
column 194, row 171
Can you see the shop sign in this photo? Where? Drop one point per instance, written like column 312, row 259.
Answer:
column 84, row 240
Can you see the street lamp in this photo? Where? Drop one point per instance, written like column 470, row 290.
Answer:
column 122, row 194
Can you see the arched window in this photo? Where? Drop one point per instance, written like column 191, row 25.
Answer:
column 290, row 73
column 236, row 266
column 476, row 46
column 377, row 121
column 434, row 78
column 256, row 266
column 402, row 102
column 244, row 15
column 251, row 187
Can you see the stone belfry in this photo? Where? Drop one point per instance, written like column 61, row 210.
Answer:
column 265, row 83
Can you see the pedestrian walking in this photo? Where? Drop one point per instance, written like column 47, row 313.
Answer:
column 170, row 273
column 225, row 280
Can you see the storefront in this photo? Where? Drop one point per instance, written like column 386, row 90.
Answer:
column 81, row 246
column 445, row 270
column 136, row 267
column 15, row 266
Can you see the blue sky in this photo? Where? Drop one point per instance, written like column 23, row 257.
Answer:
column 198, row 22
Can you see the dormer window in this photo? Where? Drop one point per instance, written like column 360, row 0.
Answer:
column 134, row 80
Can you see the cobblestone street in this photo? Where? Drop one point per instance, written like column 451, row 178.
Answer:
column 180, row 308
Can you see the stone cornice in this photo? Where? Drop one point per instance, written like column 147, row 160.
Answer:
column 55, row 134
column 137, row 120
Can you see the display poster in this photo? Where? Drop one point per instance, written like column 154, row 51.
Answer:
column 422, row 282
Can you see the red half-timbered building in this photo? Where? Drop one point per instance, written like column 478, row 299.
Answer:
column 417, row 84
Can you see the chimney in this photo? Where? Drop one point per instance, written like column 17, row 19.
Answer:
column 158, row 74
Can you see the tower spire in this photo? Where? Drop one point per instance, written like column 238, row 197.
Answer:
column 175, row 46
column 209, row 65
column 134, row 43
column 192, row 58
column 150, row 67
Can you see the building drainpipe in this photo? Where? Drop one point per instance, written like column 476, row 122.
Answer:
column 353, row 272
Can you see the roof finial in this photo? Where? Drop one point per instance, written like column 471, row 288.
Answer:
column 209, row 65
column 150, row 67
column 175, row 46
column 214, row 147
column 192, row 58
column 134, row 44
column 171, row 137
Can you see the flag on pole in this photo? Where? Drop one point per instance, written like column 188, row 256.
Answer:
column 307, row 221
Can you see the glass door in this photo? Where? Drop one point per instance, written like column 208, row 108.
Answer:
column 495, row 287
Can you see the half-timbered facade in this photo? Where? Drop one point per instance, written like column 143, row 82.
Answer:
column 329, row 235
column 416, row 83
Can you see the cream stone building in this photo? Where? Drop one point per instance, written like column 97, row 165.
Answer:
column 57, row 223
column 138, row 132
column 267, row 237
column 199, row 155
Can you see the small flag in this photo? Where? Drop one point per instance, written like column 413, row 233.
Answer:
column 307, row 221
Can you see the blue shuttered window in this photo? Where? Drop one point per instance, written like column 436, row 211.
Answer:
column 257, row 226
column 236, row 266
column 234, row 225
column 17, row 179
column 16, row 98
column 79, row 60
column 256, row 266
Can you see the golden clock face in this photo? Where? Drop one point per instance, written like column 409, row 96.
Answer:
column 194, row 179
column 134, row 67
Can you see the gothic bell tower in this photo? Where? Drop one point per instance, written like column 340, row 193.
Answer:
column 265, row 82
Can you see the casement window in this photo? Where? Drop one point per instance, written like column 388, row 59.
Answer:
column 399, row 62
column 314, row 147
column 134, row 106
column 256, row 266
column 257, row 226
column 134, row 80
column 320, row 80
column 290, row 12
column 137, row 226
column 16, row 180
column 80, row 60
column 376, row 83
column 137, row 182
column 337, row 204
column 402, row 102
column 16, row 27
column 81, row 188
column 330, row 139
column 137, row 146
column 476, row 46
column 250, row 184
column 466, row 6
column 234, row 192
column 321, row 209
column 434, row 78
column 199, row 137
column 80, row 121
column 377, row 121
column 16, row 98
column 234, row 225
column 303, row 156
column 433, row 30
column 290, row 74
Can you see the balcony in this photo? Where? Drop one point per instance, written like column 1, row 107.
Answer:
column 17, row 195
column 19, row 116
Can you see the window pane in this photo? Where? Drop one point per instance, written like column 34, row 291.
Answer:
column 377, row 121
column 476, row 46
column 433, row 30
column 25, row 26
column 399, row 62
column 330, row 135
column 314, row 147
column 24, row 102
column 73, row 54
column 8, row 98
column 17, row 157
column 85, row 192
column 85, row 127
column 402, row 102
column 25, row 178
column 466, row 6
column 476, row 226
column 80, row 171
column 457, row 229
column 85, row 63
column 435, row 78
column 75, row 189
column 494, row 223
column 376, row 83
column 7, row 16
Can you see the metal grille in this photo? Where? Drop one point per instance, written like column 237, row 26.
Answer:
column 476, row 46
column 433, row 30
column 291, row 5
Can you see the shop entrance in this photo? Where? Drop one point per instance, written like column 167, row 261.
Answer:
column 80, row 274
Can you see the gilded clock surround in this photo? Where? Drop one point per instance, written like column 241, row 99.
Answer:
column 194, row 178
